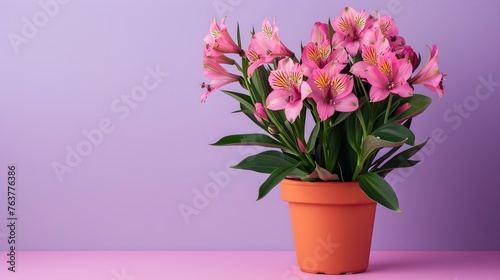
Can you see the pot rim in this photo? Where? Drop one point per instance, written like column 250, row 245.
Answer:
column 321, row 192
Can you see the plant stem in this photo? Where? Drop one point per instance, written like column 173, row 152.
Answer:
column 388, row 109
column 359, row 164
column 359, row 167
column 324, row 137
column 363, row 88
column 238, row 67
column 362, row 122
column 243, row 70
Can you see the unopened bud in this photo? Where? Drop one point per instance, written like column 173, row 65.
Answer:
column 241, row 80
column 273, row 129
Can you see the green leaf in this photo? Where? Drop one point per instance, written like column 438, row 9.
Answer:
column 396, row 162
column 255, row 139
column 400, row 160
column 260, row 79
column 350, row 151
column 376, row 188
column 372, row 144
column 289, row 128
column 266, row 162
column 275, row 178
column 418, row 104
column 353, row 134
column 332, row 146
column 323, row 174
column 250, row 114
column 330, row 29
column 395, row 132
column 340, row 118
column 245, row 100
column 244, row 68
column 385, row 156
column 238, row 35
column 311, row 143
column 407, row 123
column 298, row 173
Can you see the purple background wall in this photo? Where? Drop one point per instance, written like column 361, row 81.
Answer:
column 71, row 74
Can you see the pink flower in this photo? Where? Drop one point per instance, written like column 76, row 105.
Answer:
column 260, row 112
column 387, row 26
column 219, row 41
column 370, row 58
column 289, row 90
column 319, row 55
column 221, row 59
column 390, row 75
column 266, row 46
column 319, row 52
column 429, row 75
column 332, row 91
column 219, row 76
column 350, row 28
column 390, row 31
column 376, row 45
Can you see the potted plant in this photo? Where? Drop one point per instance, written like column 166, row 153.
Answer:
column 335, row 119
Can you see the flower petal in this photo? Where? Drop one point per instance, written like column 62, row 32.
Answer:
column 375, row 77
column 305, row 90
column 404, row 90
column 347, row 104
column 359, row 69
column 378, row 94
column 277, row 100
column 292, row 111
column 324, row 110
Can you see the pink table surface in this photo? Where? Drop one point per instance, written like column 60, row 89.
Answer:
column 256, row 265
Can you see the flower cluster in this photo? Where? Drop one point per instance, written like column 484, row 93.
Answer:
column 356, row 77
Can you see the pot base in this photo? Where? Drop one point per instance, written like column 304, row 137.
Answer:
column 331, row 272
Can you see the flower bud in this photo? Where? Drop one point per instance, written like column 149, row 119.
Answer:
column 273, row 129
column 242, row 83
column 260, row 112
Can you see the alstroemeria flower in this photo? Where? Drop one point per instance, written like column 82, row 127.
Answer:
column 219, row 41
column 370, row 58
column 289, row 90
column 390, row 31
column 260, row 112
column 350, row 28
column 319, row 55
column 219, row 76
column 221, row 59
column 376, row 45
column 390, row 75
column 387, row 26
column 266, row 46
column 429, row 75
column 332, row 91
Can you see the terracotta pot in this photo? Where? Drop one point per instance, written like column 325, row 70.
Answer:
column 332, row 225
